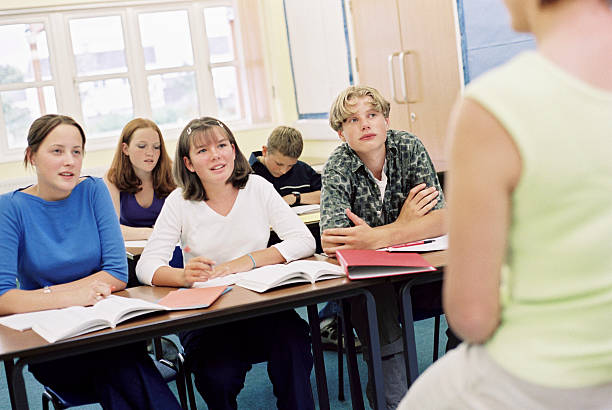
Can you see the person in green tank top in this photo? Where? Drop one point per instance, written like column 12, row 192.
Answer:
column 529, row 281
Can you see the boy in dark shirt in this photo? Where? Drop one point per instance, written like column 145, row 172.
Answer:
column 298, row 184
column 278, row 163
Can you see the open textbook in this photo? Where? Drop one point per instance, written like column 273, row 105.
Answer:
column 271, row 276
column 58, row 324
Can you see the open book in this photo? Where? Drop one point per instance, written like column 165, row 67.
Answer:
column 368, row 263
column 58, row 324
column 271, row 276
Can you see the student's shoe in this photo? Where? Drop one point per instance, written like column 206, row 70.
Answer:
column 329, row 335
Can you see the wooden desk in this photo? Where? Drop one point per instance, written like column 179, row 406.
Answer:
column 311, row 218
column 28, row 347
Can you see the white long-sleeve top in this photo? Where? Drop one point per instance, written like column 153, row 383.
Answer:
column 245, row 229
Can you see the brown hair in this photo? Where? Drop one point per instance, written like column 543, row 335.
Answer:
column 41, row 127
column 287, row 141
column 121, row 172
column 342, row 108
column 193, row 190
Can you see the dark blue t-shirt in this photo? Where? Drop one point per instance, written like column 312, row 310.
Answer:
column 301, row 177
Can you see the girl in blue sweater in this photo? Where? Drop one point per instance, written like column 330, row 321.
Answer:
column 62, row 243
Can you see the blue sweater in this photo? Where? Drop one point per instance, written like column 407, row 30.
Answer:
column 46, row 243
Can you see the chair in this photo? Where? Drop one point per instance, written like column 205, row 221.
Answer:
column 170, row 371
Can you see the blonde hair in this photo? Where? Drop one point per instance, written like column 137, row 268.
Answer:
column 342, row 108
column 287, row 141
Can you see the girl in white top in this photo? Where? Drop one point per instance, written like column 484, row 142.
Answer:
column 221, row 214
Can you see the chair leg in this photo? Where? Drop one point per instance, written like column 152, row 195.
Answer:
column 46, row 398
column 181, row 382
column 158, row 352
column 190, row 392
column 340, row 359
column 51, row 398
column 436, row 337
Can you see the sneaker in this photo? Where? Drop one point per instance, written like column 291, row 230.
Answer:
column 329, row 335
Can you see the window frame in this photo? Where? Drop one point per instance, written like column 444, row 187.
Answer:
column 10, row 153
column 66, row 82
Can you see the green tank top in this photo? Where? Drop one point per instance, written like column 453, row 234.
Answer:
column 556, row 292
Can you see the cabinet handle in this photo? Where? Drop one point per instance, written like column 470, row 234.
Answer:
column 402, row 55
column 392, row 78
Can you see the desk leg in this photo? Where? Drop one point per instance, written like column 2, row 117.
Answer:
column 351, row 358
column 319, row 363
column 8, row 370
column 410, row 354
column 374, row 352
column 18, row 386
column 340, row 357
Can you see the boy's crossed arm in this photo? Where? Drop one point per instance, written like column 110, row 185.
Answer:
column 415, row 221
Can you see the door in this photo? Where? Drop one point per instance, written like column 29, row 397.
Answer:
column 377, row 36
column 422, row 38
column 433, row 73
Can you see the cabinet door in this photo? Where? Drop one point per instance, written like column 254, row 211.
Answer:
column 377, row 35
column 433, row 69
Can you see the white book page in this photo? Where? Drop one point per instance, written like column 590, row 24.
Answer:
column 25, row 321
column 68, row 322
column 136, row 244
column 115, row 309
column 220, row 281
column 267, row 277
column 77, row 320
column 306, row 209
column 316, row 269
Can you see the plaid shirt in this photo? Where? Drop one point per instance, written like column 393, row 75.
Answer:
column 348, row 184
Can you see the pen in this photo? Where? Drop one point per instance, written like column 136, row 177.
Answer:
column 401, row 245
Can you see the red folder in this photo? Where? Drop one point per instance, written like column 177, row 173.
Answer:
column 368, row 263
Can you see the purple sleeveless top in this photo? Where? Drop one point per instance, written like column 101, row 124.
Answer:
column 132, row 214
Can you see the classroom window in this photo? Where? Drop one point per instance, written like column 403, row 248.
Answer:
column 98, row 46
column 174, row 99
column 26, row 84
column 105, row 64
column 220, row 23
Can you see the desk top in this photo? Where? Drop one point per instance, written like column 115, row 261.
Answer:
column 237, row 304
column 311, row 218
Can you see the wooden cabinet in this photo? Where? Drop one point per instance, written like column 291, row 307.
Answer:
column 409, row 51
